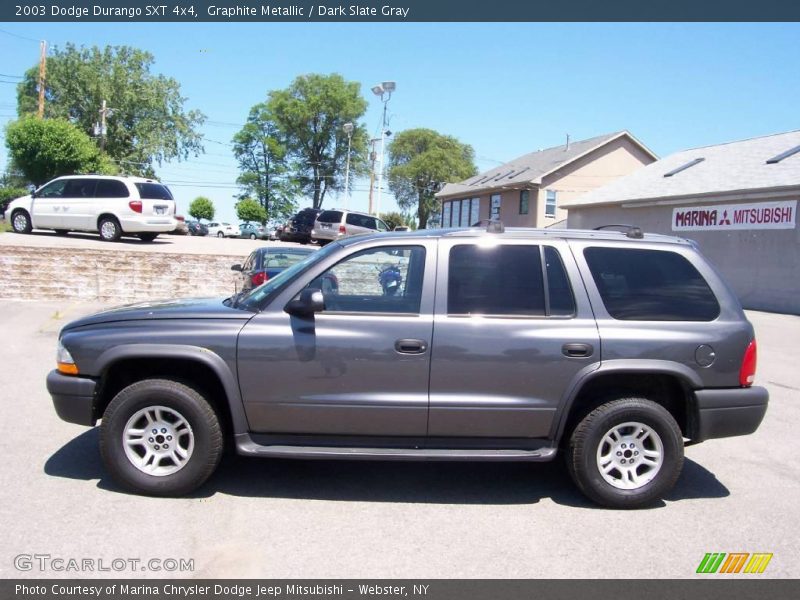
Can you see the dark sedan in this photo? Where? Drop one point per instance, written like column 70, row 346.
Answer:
column 197, row 228
column 265, row 263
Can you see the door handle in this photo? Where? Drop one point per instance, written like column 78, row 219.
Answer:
column 411, row 346
column 574, row 350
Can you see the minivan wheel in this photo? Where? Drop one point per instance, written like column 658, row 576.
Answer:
column 109, row 229
column 160, row 437
column 626, row 453
column 21, row 221
column 220, row 234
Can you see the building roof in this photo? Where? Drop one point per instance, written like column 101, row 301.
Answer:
column 533, row 167
column 744, row 166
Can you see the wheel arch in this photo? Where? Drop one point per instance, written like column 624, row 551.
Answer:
column 667, row 383
column 105, row 214
column 198, row 367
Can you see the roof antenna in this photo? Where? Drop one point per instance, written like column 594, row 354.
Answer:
column 567, row 147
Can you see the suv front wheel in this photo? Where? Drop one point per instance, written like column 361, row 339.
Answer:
column 160, row 437
column 627, row 453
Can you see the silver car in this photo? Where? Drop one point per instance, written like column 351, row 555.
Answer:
column 332, row 225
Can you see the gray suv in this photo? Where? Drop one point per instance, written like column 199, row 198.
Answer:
column 613, row 348
column 335, row 224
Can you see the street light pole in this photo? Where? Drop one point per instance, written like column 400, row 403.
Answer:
column 348, row 129
column 384, row 92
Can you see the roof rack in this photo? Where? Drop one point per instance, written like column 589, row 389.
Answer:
column 631, row 231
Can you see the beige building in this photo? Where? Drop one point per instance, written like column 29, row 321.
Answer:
column 530, row 190
column 737, row 201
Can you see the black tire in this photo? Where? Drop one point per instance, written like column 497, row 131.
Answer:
column 220, row 234
column 62, row 232
column 588, row 438
column 178, row 397
column 21, row 221
column 252, row 236
column 109, row 229
column 148, row 236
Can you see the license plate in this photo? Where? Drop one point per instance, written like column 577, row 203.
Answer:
column 326, row 225
column 160, row 210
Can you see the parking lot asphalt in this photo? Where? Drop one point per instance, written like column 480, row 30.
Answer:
column 173, row 244
column 274, row 518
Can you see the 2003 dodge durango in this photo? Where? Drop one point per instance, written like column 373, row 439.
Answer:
column 614, row 347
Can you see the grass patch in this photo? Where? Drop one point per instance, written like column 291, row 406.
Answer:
column 4, row 226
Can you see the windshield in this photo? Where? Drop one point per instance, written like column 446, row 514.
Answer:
column 256, row 297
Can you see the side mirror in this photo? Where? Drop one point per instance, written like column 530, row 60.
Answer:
column 309, row 301
column 236, row 268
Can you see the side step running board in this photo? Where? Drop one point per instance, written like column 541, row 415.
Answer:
column 247, row 447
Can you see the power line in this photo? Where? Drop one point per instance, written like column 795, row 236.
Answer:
column 16, row 35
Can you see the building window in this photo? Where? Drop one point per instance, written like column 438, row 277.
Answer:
column 524, row 197
column 475, row 215
column 494, row 211
column 550, row 204
column 446, row 208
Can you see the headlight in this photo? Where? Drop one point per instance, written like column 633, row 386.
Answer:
column 66, row 364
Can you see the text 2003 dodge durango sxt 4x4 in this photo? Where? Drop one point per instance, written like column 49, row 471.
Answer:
column 613, row 347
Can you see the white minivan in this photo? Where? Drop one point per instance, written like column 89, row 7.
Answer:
column 109, row 205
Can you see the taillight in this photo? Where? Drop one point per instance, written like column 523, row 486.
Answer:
column 136, row 205
column 258, row 278
column 747, row 373
column 342, row 230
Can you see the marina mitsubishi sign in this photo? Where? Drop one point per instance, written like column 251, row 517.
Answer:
column 756, row 215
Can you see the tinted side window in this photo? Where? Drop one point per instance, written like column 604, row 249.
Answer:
column 562, row 302
column 650, row 285
column 52, row 190
column 330, row 216
column 153, row 191
column 377, row 280
column 79, row 188
column 111, row 188
column 495, row 280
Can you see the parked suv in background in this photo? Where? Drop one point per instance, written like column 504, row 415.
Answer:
column 478, row 345
column 334, row 224
column 110, row 206
column 298, row 228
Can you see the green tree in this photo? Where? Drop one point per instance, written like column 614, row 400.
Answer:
column 201, row 208
column 248, row 209
column 393, row 219
column 46, row 148
column 310, row 115
column 421, row 161
column 146, row 122
column 263, row 166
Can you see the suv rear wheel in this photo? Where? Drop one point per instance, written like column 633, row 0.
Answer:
column 160, row 437
column 109, row 229
column 626, row 454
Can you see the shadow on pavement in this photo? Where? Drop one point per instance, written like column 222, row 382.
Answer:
column 125, row 239
column 372, row 481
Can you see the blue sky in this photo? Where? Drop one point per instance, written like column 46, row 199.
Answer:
column 506, row 89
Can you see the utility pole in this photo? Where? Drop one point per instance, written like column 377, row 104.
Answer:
column 384, row 92
column 348, row 129
column 104, row 112
column 372, row 156
column 42, row 74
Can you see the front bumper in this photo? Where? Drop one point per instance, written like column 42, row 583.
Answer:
column 729, row 412
column 73, row 397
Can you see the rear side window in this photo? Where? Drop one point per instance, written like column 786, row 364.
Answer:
column 111, row 188
column 562, row 302
column 495, row 280
column 153, row 191
column 330, row 216
column 650, row 285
